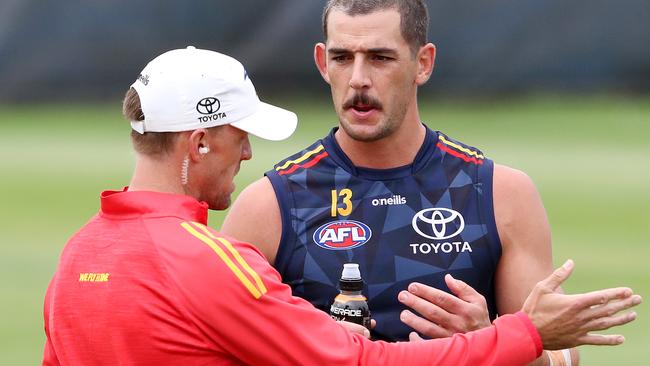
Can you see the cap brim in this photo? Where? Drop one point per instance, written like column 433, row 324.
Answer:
column 269, row 122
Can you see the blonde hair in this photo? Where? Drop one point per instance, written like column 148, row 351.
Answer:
column 148, row 143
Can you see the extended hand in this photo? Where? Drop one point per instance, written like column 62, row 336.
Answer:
column 444, row 314
column 564, row 321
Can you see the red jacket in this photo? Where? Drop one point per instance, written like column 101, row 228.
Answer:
column 147, row 282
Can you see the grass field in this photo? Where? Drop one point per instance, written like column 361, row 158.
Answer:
column 590, row 159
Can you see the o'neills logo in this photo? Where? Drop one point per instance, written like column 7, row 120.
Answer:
column 394, row 200
column 209, row 107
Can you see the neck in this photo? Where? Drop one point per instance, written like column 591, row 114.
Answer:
column 398, row 149
column 158, row 175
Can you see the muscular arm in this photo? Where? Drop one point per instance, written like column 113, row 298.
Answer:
column 255, row 218
column 525, row 238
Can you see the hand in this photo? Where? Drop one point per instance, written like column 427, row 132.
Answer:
column 444, row 314
column 564, row 321
column 357, row 328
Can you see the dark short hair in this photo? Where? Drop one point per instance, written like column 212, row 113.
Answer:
column 414, row 16
column 148, row 143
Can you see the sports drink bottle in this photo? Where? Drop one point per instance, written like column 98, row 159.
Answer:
column 350, row 305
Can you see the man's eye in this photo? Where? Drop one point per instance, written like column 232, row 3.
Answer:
column 382, row 58
column 340, row 58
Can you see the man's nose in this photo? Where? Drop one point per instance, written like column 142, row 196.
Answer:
column 360, row 77
column 247, row 150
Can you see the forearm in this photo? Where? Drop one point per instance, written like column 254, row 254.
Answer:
column 276, row 328
column 510, row 341
column 316, row 339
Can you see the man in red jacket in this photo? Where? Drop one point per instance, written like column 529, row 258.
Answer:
column 146, row 281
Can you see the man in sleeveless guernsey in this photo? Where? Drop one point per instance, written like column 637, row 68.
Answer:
column 417, row 209
column 146, row 282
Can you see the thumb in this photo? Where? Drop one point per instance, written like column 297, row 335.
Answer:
column 558, row 276
column 462, row 290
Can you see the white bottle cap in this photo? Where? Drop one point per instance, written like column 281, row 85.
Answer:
column 351, row 271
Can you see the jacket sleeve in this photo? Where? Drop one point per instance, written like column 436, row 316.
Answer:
column 49, row 356
column 239, row 303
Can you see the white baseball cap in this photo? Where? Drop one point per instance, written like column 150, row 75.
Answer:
column 186, row 89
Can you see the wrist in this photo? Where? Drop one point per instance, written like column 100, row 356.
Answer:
column 559, row 358
column 534, row 334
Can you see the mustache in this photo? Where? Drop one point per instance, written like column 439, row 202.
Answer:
column 364, row 99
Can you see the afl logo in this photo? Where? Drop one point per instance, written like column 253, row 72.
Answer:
column 341, row 235
column 438, row 223
column 208, row 105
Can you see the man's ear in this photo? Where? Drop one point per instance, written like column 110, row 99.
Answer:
column 426, row 59
column 197, row 140
column 320, row 57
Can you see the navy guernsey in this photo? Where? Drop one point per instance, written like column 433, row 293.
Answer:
column 414, row 223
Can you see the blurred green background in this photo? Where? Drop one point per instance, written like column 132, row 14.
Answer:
column 65, row 64
column 589, row 156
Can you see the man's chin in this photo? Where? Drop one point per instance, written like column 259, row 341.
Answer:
column 364, row 132
column 220, row 205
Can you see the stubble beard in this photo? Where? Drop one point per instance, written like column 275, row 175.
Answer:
column 220, row 199
column 221, row 203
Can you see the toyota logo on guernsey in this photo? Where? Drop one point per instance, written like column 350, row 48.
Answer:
column 436, row 221
column 209, row 107
column 439, row 224
column 341, row 235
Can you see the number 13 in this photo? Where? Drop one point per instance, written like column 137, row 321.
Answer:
column 346, row 195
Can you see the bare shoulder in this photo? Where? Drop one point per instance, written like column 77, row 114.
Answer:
column 513, row 191
column 258, row 195
column 510, row 181
column 517, row 205
column 255, row 218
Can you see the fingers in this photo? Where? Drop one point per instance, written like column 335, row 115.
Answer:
column 414, row 337
column 558, row 276
column 445, row 310
column 601, row 297
column 463, row 290
column 601, row 340
column 434, row 305
column 612, row 307
column 609, row 322
column 442, row 299
column 355, row 328
column 423, row 326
